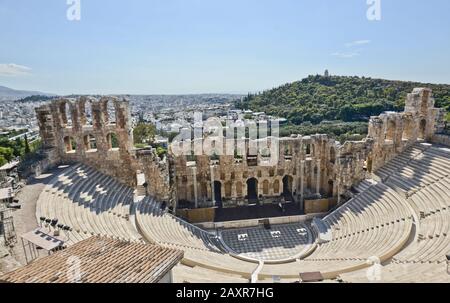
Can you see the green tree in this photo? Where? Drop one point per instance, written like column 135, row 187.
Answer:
column 27, row 146
column 144, row 133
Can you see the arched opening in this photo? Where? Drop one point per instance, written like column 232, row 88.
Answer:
column 276, row 187
column 330, row 188
column 113, row 141
column 266, row 187
column 218, row 193
column 87, row 117
column 66, row 114
column 408, row 129
column 390, row 131
column 287, row 188
column 228, row 189
column 90, row 143
column 252, row 190
column 110, row 112
column 423, row 129
column 70, row 145
column 308, row 150
column 332, row 155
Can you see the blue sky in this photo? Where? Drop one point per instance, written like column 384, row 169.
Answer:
column 208, row 46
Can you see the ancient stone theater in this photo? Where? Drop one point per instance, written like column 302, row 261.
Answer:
column 242, row 209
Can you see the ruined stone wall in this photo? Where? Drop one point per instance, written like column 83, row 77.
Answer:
column 393, row 132
column 96, row 132
column 309, row 166
column 156, row 173
column 304, row 167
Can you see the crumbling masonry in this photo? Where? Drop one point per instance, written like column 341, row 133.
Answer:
column 99, row 133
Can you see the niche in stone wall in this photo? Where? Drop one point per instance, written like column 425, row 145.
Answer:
column 86, row 113
column 422, row 129
column 408, row 129
column 390, row 130
column 332, row 155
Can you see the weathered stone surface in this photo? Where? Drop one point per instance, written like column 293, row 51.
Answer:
column 299, row 167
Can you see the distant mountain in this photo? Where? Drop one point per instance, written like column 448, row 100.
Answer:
column 10, row 94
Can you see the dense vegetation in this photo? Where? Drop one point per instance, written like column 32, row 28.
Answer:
column 341, row 100
column 18, row 148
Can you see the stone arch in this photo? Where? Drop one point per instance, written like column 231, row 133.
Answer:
column 276, row 187
column 408, row 129
column 252, row 189
column 110, row 112
column 266, row 187
column 90, row 142
column 308, row 150
column 86, row 112
column 390, row 130
column 70, row 144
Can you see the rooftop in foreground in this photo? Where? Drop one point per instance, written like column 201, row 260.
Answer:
column 100, row 260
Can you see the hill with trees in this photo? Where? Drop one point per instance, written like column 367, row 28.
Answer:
column 337, row 105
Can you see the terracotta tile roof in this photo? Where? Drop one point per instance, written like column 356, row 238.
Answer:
column 101, row 260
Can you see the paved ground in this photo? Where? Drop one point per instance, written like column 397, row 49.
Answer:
column 25, row 219
column 279, row 242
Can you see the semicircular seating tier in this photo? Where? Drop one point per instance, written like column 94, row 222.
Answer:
column 422, row 175
column 89, row 202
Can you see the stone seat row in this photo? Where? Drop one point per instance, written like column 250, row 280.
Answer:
column 161, row 227
column 102, row 213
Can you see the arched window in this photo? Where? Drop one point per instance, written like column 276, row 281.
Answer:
column 111, row 117
column 86, row 117
column 66, row 114
column 276, row 186
column 308, row 150
column 113, row 141
column 90, row 143
column 70, row 145
column 266, row 187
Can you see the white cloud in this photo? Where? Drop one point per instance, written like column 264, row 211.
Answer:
column 357, row 43
column 11, row 70
column 346, row 55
